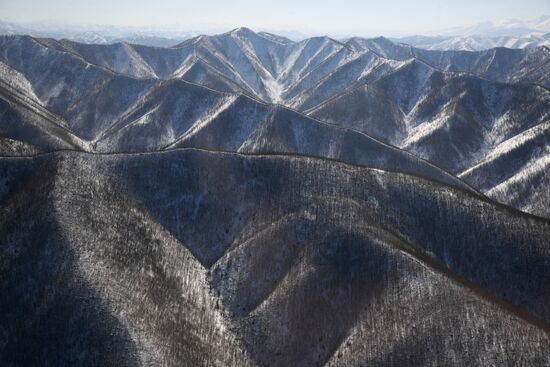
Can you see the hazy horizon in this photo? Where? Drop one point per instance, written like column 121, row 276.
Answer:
column 308, row 17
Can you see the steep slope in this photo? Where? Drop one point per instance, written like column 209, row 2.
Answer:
column 365, row 108
column 450, row 119
column 24, row 119
column 497, row 111
column 179, row 114
column 264, row 66
column 515, row 171
column 97, row 109
column 198, row 71
column 305, row 57
column 87, row 96
column 444, row 222
column 119, row 57
column 228, row 129
column 273, row 70
column 243, row 56
column 77, row 293
column 366, row 67
column 58, row 78
column 385, row 260
column 168, row 112
column 27, row 128
column 288, row 132
column 527, row 190
column 164, row 61
column 15, row 81
column 510, row 157
column 382, row 47
column 259, row 64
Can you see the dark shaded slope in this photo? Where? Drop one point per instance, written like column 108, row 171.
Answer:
column 252, row 127
column 26, row 127
column 228, row 128
column 312, row 261
column 89, row 279
column 365, row 108
column 528, row 189
column 476, row 239
column 394, row 91
column 530, row 65
column 50, row 315
column 16, row 148
column 450, row 108
column 59, row 78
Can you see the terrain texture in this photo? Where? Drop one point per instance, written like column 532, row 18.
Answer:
column 247, row 200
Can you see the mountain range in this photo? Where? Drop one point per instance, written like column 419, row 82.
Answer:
column 246, row 199
column 477, row 42
column 440, row 114
column 511, row 33
column 506, row 27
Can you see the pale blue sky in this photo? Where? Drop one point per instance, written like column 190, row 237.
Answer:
column 334, row 16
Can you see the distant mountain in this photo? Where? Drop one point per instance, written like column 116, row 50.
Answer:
column 510, row 33
column 509, row 27
column 477, row 42
column 157, row 36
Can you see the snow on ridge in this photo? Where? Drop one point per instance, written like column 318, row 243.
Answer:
column 136, row 63
column 16, row 80
column 185, row 66
column 519, row 139
column 426, row 128
column 509, row 145
column 208, row 118
column 531, row 168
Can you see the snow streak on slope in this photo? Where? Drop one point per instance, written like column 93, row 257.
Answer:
column 205, row 119
column 15, row 80
column 528, row 189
